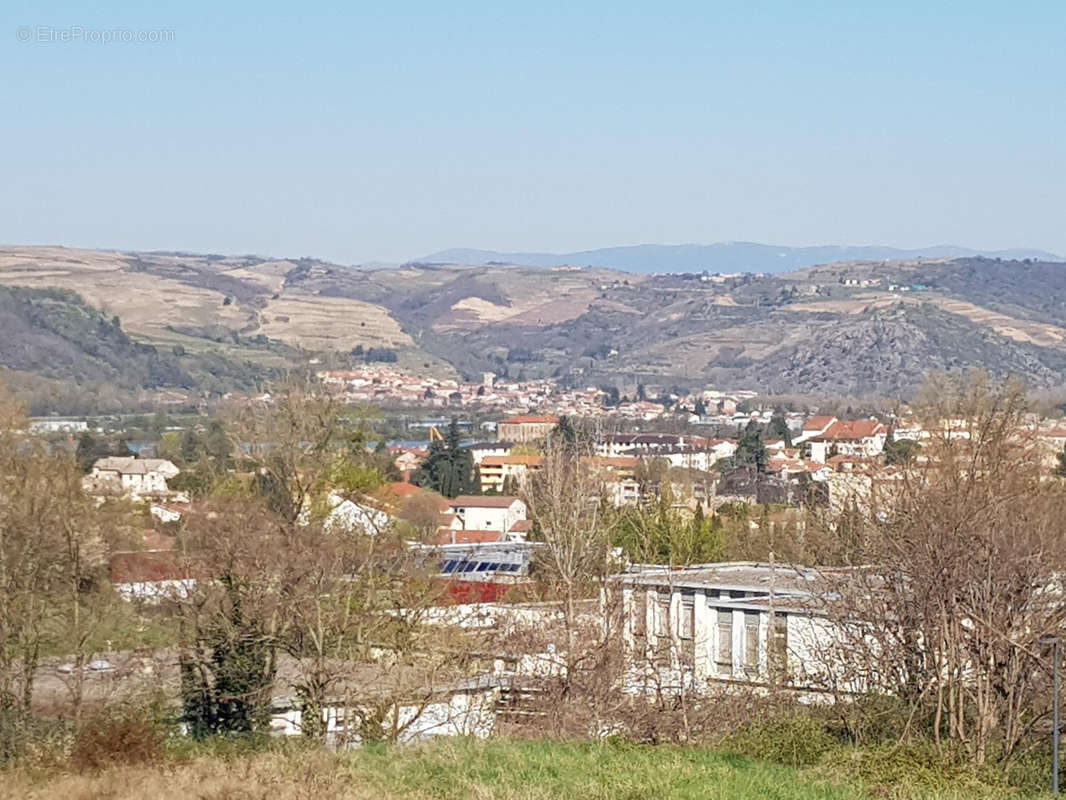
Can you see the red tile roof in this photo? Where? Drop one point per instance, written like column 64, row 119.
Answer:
column 530, row 419
column 854, row 429
column 818, row 423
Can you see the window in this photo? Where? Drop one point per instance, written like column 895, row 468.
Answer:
column 724, row 651
column 662, row 614
column 778, row 652
column 640, row 613
column 687, row 625
column 751, row 642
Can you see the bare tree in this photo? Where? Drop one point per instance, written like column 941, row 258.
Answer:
column 964, row 554
column 335, row 608
column 49, row 548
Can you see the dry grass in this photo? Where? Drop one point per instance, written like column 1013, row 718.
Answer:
column 448, row 770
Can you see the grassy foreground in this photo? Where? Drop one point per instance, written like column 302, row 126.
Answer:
column 447, row 770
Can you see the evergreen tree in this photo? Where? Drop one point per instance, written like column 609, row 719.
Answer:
column 751, row 451
column 232, row 695
column 779, row 429
column 86, row 452
column 449, row 467
column 1060, row 470
column 898, row 451
column 700, row 408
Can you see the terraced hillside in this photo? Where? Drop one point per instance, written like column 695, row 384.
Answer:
column 849, row 327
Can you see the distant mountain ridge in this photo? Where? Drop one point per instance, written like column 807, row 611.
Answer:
column 719, row 257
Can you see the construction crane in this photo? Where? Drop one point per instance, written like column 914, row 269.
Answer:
column 435, row 435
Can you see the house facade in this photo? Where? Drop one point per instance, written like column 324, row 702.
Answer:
column 525, row 429
column 498, row 472
column 732, row 622
column 864, row 438
column 488, row 513
column 131, row 476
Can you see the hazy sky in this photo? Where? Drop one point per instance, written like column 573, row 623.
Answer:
column 386, row 131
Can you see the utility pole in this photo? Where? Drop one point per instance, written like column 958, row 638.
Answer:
column 1055, row 720
column 1054, row 642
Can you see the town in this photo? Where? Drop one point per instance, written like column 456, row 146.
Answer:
column 696, row 565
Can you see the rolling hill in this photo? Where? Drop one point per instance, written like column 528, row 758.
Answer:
column 720, row 257
column 202, row 324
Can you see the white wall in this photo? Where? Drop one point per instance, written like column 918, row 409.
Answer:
column 481, row 518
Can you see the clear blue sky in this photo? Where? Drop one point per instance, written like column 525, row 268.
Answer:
column 358, row 132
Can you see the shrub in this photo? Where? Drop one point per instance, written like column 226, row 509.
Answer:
column 796, row 740
column 118, row 736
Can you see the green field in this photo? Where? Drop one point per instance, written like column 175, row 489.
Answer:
column 456, row 770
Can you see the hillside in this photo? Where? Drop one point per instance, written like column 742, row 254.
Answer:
column 218, row 322
column 719, row 257
column 52, row 341
column 189, row 324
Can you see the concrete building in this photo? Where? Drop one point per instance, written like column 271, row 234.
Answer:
column 527, row 428
column 736, row 622
column 499, row 473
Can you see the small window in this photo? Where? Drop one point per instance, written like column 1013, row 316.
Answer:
column 687, row 635
column 724, row 651
column 688, row 609
column 640, row 613
column 751, row 642
column 662, row 614
column 778, row 652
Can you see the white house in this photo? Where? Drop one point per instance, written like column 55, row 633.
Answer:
column 864, row 438
column 130, row 475
column 58, row 426
column 345, row 514
column 814, row 426
column 481, row 449
column 460, row 708
column 488, row 513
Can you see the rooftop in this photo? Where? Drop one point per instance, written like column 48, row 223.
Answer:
column 483, row 501
column 733, row 575
column 130, row 465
